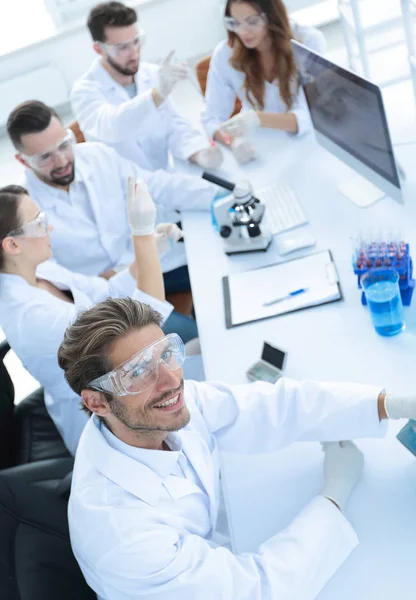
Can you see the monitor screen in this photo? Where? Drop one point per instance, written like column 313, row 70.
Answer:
column 348, row 110
column 273, row 356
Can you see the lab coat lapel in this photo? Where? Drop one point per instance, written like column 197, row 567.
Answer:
column 142, row 79
column 63, row 279
column 92, row 187
column 129, row 474
column 65, row 211
column 203, row 462
column 43, row 193
column 48, row 197
column 111, row 87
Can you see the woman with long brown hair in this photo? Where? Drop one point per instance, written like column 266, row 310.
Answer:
column 256, row 65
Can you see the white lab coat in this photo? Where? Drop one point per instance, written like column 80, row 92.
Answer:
column 91, row 248
column 224, row 83
column 34, row 322
column 138, row 535
column 133, row 126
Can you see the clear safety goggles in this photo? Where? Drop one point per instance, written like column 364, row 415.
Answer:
column 47, row 157
column 36, row 228
column 124, row 48
column 251, row 22
column 141, row 371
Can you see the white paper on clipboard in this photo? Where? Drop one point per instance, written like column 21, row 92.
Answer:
column 247, row 291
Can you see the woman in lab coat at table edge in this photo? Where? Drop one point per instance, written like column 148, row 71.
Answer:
column 39, row 298
column 256, row 65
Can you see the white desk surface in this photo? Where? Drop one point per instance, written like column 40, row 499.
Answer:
column 333, row 342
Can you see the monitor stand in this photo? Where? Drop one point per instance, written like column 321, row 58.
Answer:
column 361, row 191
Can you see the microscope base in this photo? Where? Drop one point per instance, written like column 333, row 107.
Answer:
column 245, row 249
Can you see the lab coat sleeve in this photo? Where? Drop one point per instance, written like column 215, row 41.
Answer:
column 120, row 285
column 301, row 111
column 295, row 564
column 174, row 191
column 171, row 191
column 220, row 94
column 162, row 307
column 262, row 417
column 47, row 325
column 184, row 140
column 112, row 124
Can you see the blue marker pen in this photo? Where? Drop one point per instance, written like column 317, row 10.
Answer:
column 286, row 296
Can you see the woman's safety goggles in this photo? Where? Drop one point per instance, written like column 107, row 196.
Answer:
column 251, row 22
column 47, row 157
column 36, row 228
column 141, row 371
column 124, row 48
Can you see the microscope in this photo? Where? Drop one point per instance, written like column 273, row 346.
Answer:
column 239, row 217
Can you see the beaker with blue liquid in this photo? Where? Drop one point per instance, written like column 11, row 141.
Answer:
column 381, row 288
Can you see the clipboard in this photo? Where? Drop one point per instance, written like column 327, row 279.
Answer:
column 246, row 292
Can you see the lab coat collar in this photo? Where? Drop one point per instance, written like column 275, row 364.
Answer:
column 50, row 194
column 129, row 474
column 141, row 480
column 161, row 462
column 21, row 289
column 98, row 73
column 141, row 79
column 198, row 454
column 16, row 285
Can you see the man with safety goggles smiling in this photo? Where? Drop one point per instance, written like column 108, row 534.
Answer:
column 145, row 491
column 124, row 102
column 55, row 162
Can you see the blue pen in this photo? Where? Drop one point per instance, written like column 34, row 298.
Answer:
column 286, row 296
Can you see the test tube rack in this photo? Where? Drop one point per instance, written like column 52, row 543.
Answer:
column 384, row 255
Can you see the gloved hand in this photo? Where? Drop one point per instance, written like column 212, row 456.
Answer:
column 343, row 466
column 242, row 150
column 167, row 234
column 141, row 209
column 170, row 74
column 208, row 158
column 400, row 407
column 241, row 123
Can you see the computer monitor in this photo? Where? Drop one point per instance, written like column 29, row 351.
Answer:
column 349, row 119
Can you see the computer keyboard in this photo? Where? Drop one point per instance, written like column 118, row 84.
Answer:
column 283, row 209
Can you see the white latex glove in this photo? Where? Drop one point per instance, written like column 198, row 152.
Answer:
column 209, row 158
column 400, row 407
column 170, row 74
column 166, row 235
column 343, row 466
column 141, row 209
column 242, row 150
column 241, row 123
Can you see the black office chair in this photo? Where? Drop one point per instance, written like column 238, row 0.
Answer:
column 36, row 560
column 27, row 433
column 7, row 422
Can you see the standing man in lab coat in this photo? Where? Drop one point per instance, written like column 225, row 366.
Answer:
column 124, row 102
column 83, row 188
column 145, row 491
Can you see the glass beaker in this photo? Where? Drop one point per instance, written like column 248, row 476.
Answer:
column 381, row 288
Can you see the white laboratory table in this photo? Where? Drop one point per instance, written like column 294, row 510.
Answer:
column 331, row 342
